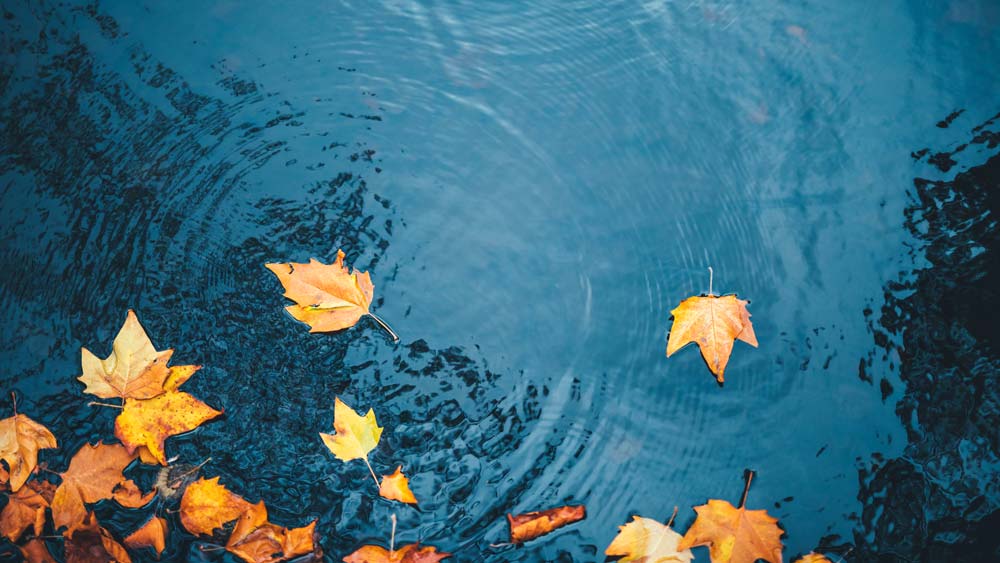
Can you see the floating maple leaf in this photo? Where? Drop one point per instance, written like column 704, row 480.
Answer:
column 397, row 487
column 411, row 553
column 356, row 436
column 94, row 474
column 530, row 525
column 207, row 505
column 151, row 534
column 134, row 369
column 20, row 440
column 644, row 540
column 149, row 422
column 713, row 322
column 328, row 297
column 735, row 534
column 25, row 509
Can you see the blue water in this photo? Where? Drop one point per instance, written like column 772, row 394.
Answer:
column 534, row 186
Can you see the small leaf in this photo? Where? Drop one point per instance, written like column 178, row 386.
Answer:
column 397, row 487
column 35, row 551
column 25, row 509
column 713, row 322
column 207, row 505
column 813, row 558
column 152, row 534
column 530, row 525
column 355, row 435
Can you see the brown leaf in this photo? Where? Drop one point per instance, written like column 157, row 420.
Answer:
column 148, row 423
column 151, row 534
column 713, row 322
column 327, row 297
column 35, row 551
column 734, row 535
column 94, row 473
column 93, row 544
column 255, row 540
column 133, row 370
column 530, row 525
column 127, row 494
column 397, row 487
column 207, row 505
column 20, row 440
column 411, row 553
column 25, row 509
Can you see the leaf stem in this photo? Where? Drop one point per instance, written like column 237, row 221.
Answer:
column 13, row 398
column 672, row 516
column 384, row 325
column 372, row 471
column 180, row 478
column 392, row 538
column 96, row 404
column 711, row 275
column 748, row 475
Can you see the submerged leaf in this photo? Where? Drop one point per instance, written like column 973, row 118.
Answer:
column 530, row 525
column 94, row 544
column 25, row 509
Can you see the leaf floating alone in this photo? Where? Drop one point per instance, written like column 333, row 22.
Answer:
column 530, row 525
column 134, row 370
column 411, row 553
column 328, row 297
column 735, row 534
column 94, row 544
column 20, row 440
column 356, row 436
column 94, row 473
column 713, row 322
column 25, row 509
column 152, row 534
column 644, row 540
column 397, row 487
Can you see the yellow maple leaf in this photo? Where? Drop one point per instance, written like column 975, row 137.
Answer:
column 355, row 435
column 135, row 369
column 644, row 540
column 149, row 422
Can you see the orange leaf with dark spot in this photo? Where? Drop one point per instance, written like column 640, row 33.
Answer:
column 397, row 487
column 714, row 323
column 25, row 509
column 328, row 297
column 149, row 422
column 151, row 534
column 94, row 473
column 411, row 553
column 530, row 525
column 20, row 440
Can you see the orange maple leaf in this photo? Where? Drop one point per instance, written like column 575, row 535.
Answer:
column 813, row 558
column 94, row 474
column 411, row 553
column 20, row 440
column 328, row 297
column 530, row 525
column 397, row 487
column 255, row 540
column 25, row 509
column 94, row 544
column 151, row 534
column 713, row 322
column 734, row 534
column 148, row 423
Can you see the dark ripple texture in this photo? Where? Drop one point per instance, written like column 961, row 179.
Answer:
column 534, row 186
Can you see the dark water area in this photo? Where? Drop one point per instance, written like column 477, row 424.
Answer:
column 533, row 188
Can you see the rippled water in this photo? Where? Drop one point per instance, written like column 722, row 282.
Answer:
column 533, row 186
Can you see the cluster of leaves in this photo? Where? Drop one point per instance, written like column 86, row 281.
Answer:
column 328, row 298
